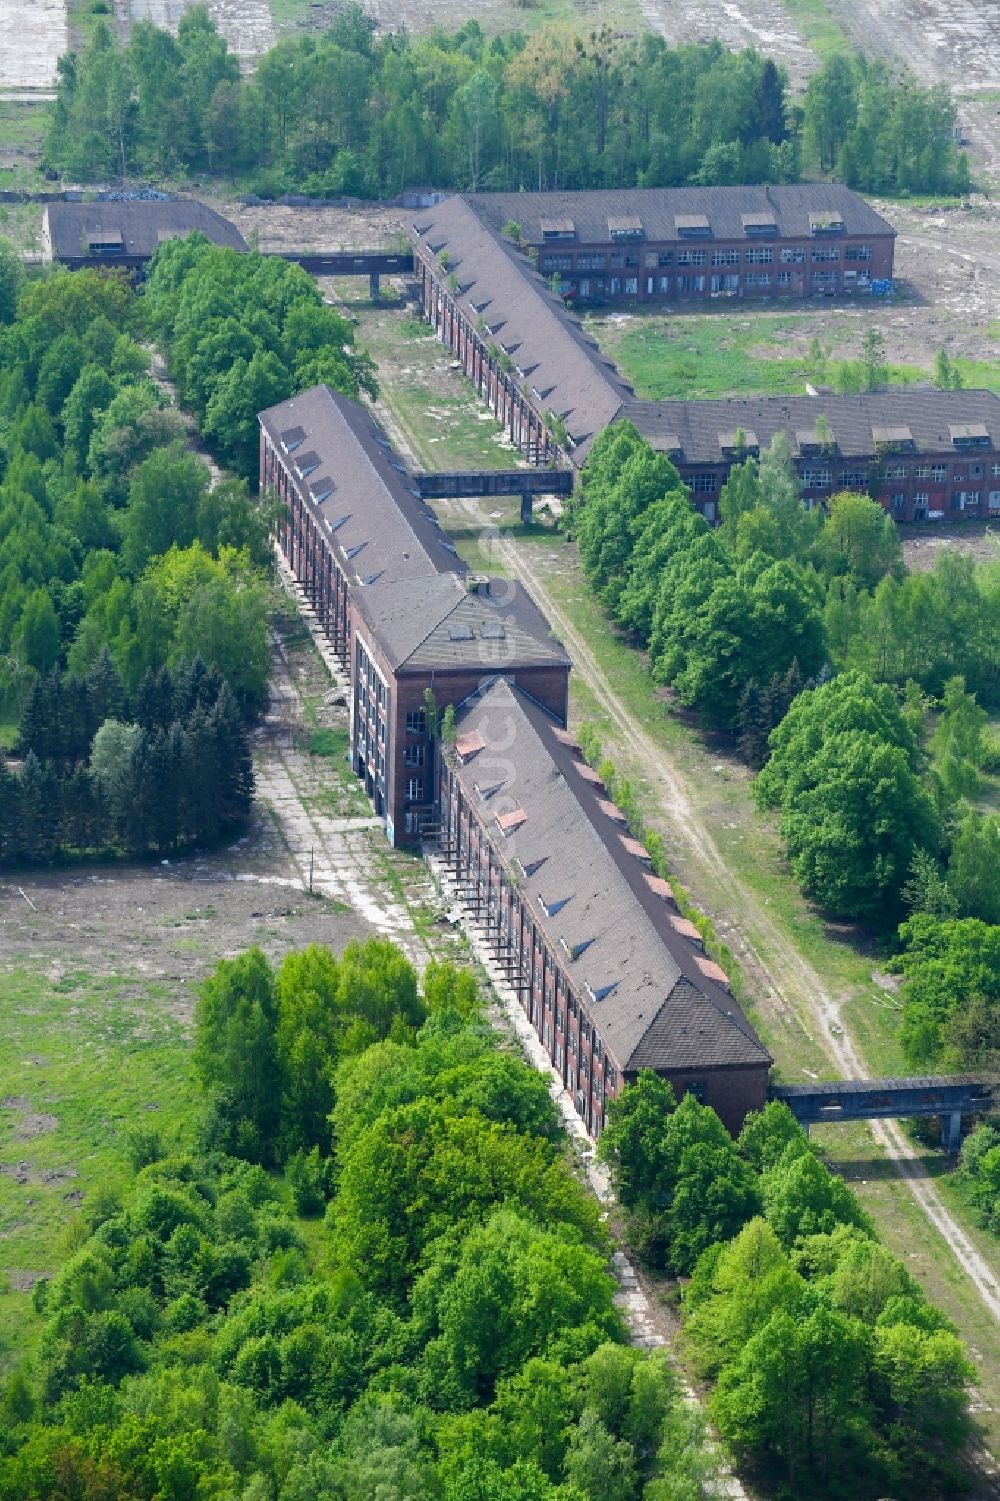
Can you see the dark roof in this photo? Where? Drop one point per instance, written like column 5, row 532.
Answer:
column 563, row 370
column 448, row 622
column 360, row 494
column 142, row 226
column 635, row 976
column 729, row 211
column 929, row 416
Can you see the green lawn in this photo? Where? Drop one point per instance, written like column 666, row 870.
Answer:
column 818, row 27
column 739, row 354
column 83, row 1059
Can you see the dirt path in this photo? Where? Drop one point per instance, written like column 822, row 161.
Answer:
column 787, row 974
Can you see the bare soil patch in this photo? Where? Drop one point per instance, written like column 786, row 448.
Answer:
column 35, row 1123
column 765, row 25
column 979, row 540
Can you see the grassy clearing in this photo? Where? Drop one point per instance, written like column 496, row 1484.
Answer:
column 21, row 222
column 83, row 1059
column 723, row 354
column 440, row 415
column 818, row 27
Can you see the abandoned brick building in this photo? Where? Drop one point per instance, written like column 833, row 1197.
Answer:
column 610, row 974
column 127, row 233
column 675, row 244
column 924, row 455
column 410, row 625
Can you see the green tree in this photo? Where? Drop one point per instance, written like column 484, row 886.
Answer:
column 236, row 1053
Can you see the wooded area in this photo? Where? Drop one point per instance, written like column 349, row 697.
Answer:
column 855, row 685
column 831, row 1371
column 344, row 111
column 133, row 589
column 420, row 1308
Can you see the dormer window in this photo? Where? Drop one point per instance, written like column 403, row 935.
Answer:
column 574, row 950
column 306, row 465
column 600, row 992
column 532, row 867
column 469, row 745
column 292, row 438
column 893, row 439
column 826, row 222
column 970, row 435
column 741, row 441
column 625, row 227
column 757, row 226
column 511, row 820
column 550, row 908
column 557, row 229
column 692, row 226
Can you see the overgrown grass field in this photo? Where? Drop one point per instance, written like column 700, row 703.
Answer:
column 84, row 1059
column 699, row 356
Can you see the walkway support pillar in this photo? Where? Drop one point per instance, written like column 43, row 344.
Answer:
column 951, row 1132
column 526, row 508
column 373, row 286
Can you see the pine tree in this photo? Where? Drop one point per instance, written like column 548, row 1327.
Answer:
column 76, row 730
column 107, row 691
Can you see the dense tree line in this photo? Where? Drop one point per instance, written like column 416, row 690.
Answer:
column 96, row 780
column 801, row 633
column 832, row 1372
column 242, row 332
column 880, row 131
column 346, row 111
column 448, row 1331
column 111, row 533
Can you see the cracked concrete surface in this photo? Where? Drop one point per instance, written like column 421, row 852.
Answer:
column 33, row 36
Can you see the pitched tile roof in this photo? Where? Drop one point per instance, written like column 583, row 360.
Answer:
column 563, row 370
column 692, row 429
column 728, row 211
column 490, row 625
column 639, row 980
column 370, row 514
column 139, row 225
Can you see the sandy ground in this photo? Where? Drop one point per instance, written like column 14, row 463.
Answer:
column 979, row 540
column 33, row 36
column 765, row 25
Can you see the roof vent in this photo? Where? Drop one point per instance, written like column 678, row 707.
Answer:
column 459, row 632
column 492, row 630
column 574, row 950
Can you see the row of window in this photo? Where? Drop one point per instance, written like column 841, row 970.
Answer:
column 652, row 260
column 818, row 477
column 685, row 284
